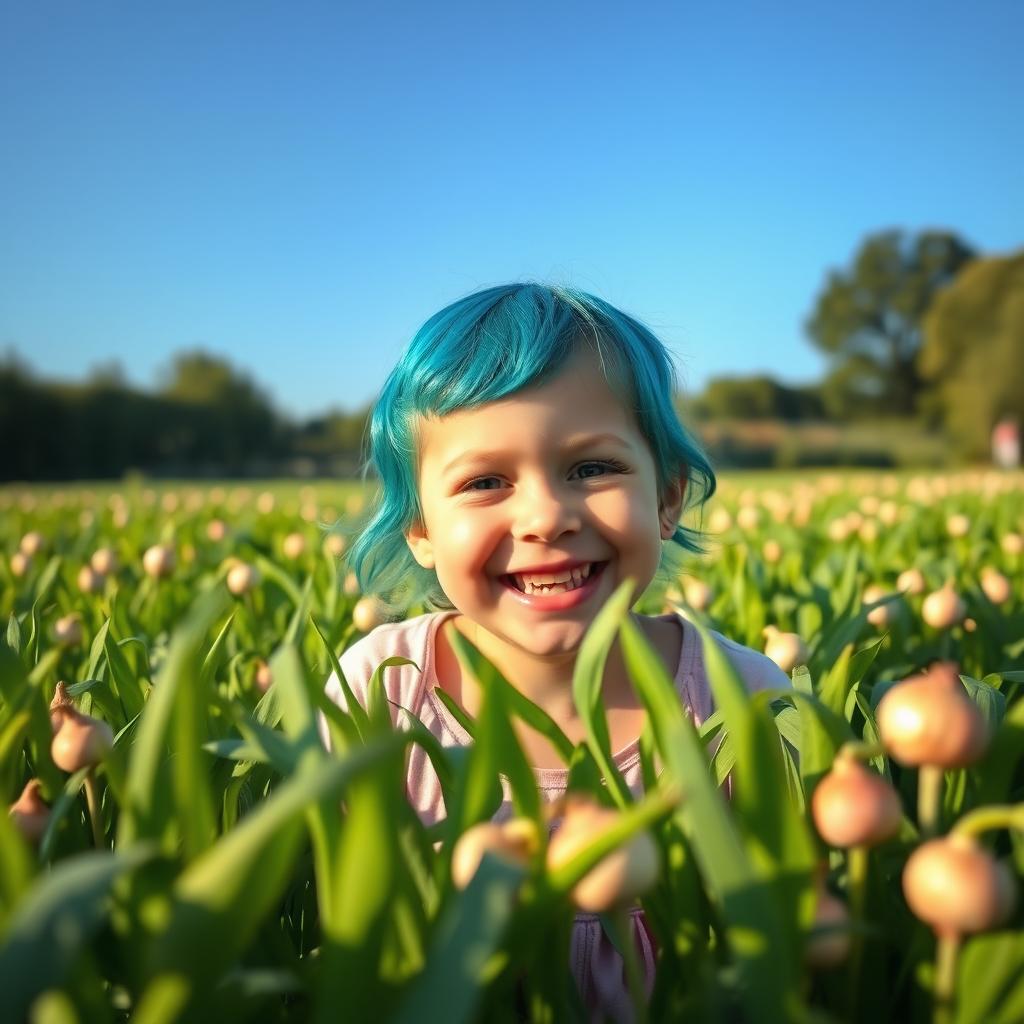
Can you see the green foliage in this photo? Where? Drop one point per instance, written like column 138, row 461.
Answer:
column 221, row 865
column 868, row 320
column 973, row 352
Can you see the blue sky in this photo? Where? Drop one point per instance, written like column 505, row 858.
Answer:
column 297, row 186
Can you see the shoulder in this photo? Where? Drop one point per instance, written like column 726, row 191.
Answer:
column 408, row 639
column 757, row 670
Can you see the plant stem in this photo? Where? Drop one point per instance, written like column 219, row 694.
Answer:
column 946, row 953
column 856, row 888
column 860, row 751
column 985, row 818
column 930, row 779
column 92, row 800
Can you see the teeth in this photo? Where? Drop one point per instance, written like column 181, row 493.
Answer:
column 552, row 583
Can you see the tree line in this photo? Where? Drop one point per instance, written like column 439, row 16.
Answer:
column 207, row 419
column 917, row 329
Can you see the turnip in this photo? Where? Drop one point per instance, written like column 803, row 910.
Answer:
column 514, row 841
column 787, row 650
column 29, row 813
column 853, row 806
column 242, row 578
column 617, row 880
column 159, row 561
column 943, row 608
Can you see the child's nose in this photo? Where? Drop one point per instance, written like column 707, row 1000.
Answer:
column 545, row 514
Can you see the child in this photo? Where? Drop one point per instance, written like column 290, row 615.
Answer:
column 530, row 461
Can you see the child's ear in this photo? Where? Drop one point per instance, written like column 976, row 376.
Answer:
column 419, row 544
column 670, row 507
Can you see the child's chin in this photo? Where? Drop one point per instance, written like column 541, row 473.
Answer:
column 551, row 643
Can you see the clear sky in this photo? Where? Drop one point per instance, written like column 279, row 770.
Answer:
column 297, row 186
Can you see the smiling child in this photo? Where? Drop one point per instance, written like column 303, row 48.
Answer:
column 531, row 460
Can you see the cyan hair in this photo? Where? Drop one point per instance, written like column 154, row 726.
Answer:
column 488, row 346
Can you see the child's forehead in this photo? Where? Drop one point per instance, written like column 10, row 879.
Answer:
column 570, row 411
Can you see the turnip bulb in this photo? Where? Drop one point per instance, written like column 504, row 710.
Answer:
column 368, row 614
column 995, row 586
column 787, row 650
column 334, row 545
column 294, row 546
column 61, row 699
column 159, row 561
column 89, row 580
column 216, row 530
column 264, row 678
column 697, row 593
column 883, row 614
column 242, row 578
column 20, row 564
column 943, row 608
column 957, row 887
column 854, row 806
column 958, row 525
column 1012, row 543
column 929, row 720
column 514, row 841
column 911, row 581
column 32, row 544
column 67, row 630
column 619, row 878
column 104, row 561
column 80, row 740
column 29, row 813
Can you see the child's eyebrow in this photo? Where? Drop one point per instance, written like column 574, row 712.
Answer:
column 476, row 455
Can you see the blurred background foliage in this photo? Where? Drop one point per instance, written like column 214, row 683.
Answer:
column 925, row 340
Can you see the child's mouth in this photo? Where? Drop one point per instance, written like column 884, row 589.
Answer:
column 566, row 581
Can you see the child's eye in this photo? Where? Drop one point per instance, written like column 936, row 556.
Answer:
column 585, row 470
column 482, row 483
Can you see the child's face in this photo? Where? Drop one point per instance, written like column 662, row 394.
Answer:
column 555, row 482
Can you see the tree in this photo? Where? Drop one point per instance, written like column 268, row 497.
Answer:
column 223, row 416
column 868, row 319
column 973, row 352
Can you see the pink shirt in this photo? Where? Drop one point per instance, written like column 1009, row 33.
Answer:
column 596, row 965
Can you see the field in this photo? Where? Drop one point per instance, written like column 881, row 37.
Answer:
column 181, row 846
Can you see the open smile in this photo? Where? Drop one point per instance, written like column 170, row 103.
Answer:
column 555, row 590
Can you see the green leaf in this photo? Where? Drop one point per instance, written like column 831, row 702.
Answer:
column 496, row 749
column 147, row 814
column 212, row 658
column 749, row 906
column 588, row 687
column 124, row 680
column 990, row 983
column 223, row 895
column 56, row 920
column 352, row 706
column 14, row 634
column 457, row 712
column 449, row 989
column 96, row 650
column 989, row 700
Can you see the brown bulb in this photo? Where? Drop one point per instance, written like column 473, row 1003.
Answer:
column 929, row 720
column 854, row 806
column 957, row 887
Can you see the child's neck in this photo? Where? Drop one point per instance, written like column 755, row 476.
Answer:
column 545, row 680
